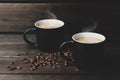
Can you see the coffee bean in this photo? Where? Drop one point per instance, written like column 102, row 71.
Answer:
column 58, row 53
column 11, row 63
column 56, row 63
column 49, row 64
column 41, row 65
column 36, row 64
column 26, row 61
column 53, row 62
column 40, row 61
column 18, row 67
column 32, row 69
column 66, row 54
column 37, row 57
column 41, row 57
column 65, row 63
column 12, row 68
column 18, row 54
column 32, row 60
column 44, row 64
column 49, row 59
column 8, row 66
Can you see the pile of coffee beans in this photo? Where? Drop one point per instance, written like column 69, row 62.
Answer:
column 41, row 60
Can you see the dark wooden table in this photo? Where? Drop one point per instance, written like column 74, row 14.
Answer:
column 12, row 44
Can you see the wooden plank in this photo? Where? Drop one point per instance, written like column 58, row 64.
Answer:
column 113, row 68
column 18, row 16
column 35, row 1
column 57, row 77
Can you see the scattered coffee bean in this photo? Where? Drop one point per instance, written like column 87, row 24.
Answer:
column 53, row 62
column 44, row 64
column 56, row 63
column 65, row 63
column 11, row 63
column 34, row 67
column 40, row 60
column 24, row 59
column 8, row 66
column 37, row 57
column 12, row 68
column 41, row 65
column 49, row 64
column 18, row 67
column 32, row 60
column 66, row 54
column 18, row 54
column 37, row 65
column 31, row 69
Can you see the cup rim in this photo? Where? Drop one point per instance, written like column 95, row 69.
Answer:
column 101, row 36
column 56, row 20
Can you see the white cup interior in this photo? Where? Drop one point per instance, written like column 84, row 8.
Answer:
column 51, row 23
column 88, row 34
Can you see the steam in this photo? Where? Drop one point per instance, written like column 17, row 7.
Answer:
column 51, row 15
column 90, row 28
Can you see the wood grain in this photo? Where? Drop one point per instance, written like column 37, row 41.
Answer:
column 35, row 1
column 57, row 77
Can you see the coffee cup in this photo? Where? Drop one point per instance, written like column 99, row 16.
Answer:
column 88, row 49
column 49, row 34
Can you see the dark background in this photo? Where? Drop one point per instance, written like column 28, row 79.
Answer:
column 17, row 15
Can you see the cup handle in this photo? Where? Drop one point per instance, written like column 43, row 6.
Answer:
column 65, row 43
column 26, row 39
column 62, row 45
